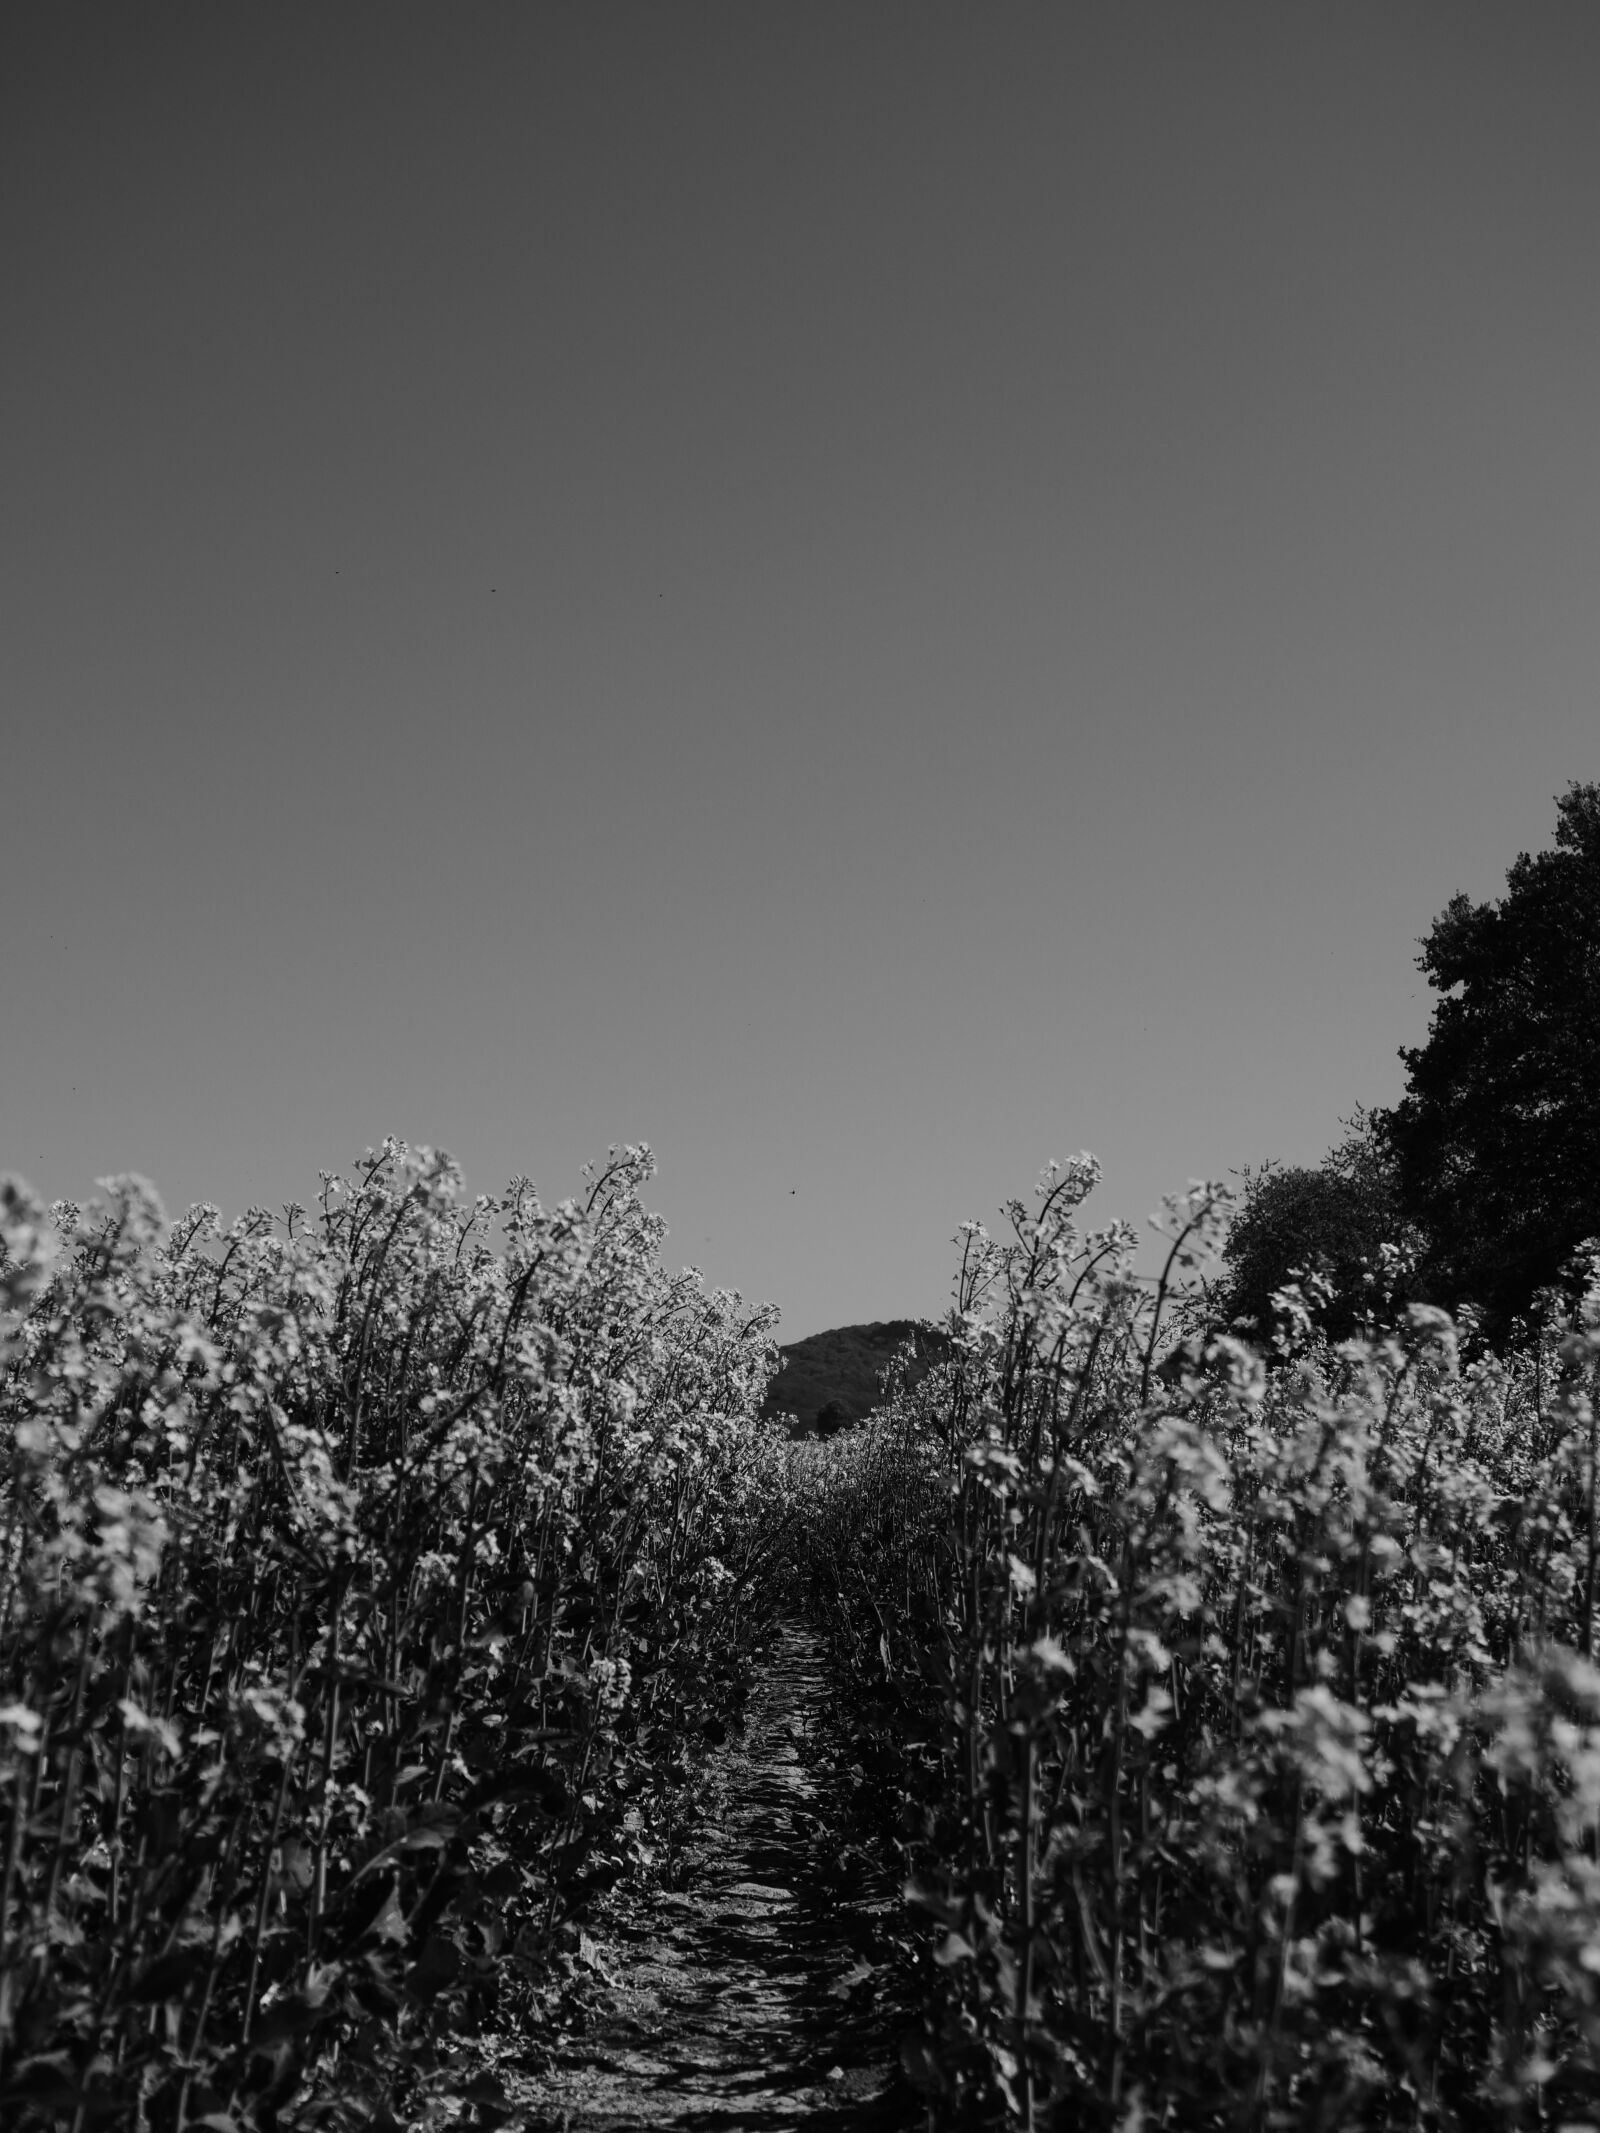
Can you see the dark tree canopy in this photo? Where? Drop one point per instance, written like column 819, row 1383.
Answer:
column 1498, row 1136
column 1333, row 1220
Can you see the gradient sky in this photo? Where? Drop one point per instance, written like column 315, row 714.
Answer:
column 867, row 593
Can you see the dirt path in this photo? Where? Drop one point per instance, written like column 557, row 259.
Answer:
column 737, row 2005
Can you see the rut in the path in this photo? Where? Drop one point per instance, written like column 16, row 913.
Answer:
column 726, row 2006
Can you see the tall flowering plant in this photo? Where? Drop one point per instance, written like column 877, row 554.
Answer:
column 368, row 1581
column 1259, row 1775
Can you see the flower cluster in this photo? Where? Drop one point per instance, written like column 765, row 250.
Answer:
column 1242, row 1704
column 369, row 1581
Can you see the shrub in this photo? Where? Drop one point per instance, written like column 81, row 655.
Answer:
column 1335, row 1220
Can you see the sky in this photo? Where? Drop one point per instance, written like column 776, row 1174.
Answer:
column 869, row 595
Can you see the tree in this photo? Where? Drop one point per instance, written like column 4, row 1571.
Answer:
column 1497, row 1139
column 832, row 1418
column 1333, row 1219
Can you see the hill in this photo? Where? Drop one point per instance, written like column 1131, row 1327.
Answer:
column 832, row 1379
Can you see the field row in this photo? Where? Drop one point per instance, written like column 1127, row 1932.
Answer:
column 373, row 1584
column 1240, row 1706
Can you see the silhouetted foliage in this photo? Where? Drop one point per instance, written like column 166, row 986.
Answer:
column 1333, row 1220
column 1498, row 1136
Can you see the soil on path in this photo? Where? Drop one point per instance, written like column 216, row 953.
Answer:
column 743, row 2002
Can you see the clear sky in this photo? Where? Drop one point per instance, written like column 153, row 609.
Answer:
column 868, row 594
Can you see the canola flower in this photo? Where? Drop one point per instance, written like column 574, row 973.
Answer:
column 1239, row 1706
column 370, row 1581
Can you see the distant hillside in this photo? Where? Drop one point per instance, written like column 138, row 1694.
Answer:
column 831, row 1379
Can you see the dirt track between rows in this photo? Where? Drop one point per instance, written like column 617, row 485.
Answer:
column 740, row 2002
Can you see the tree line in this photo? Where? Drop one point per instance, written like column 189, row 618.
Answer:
column 1481, row 1186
